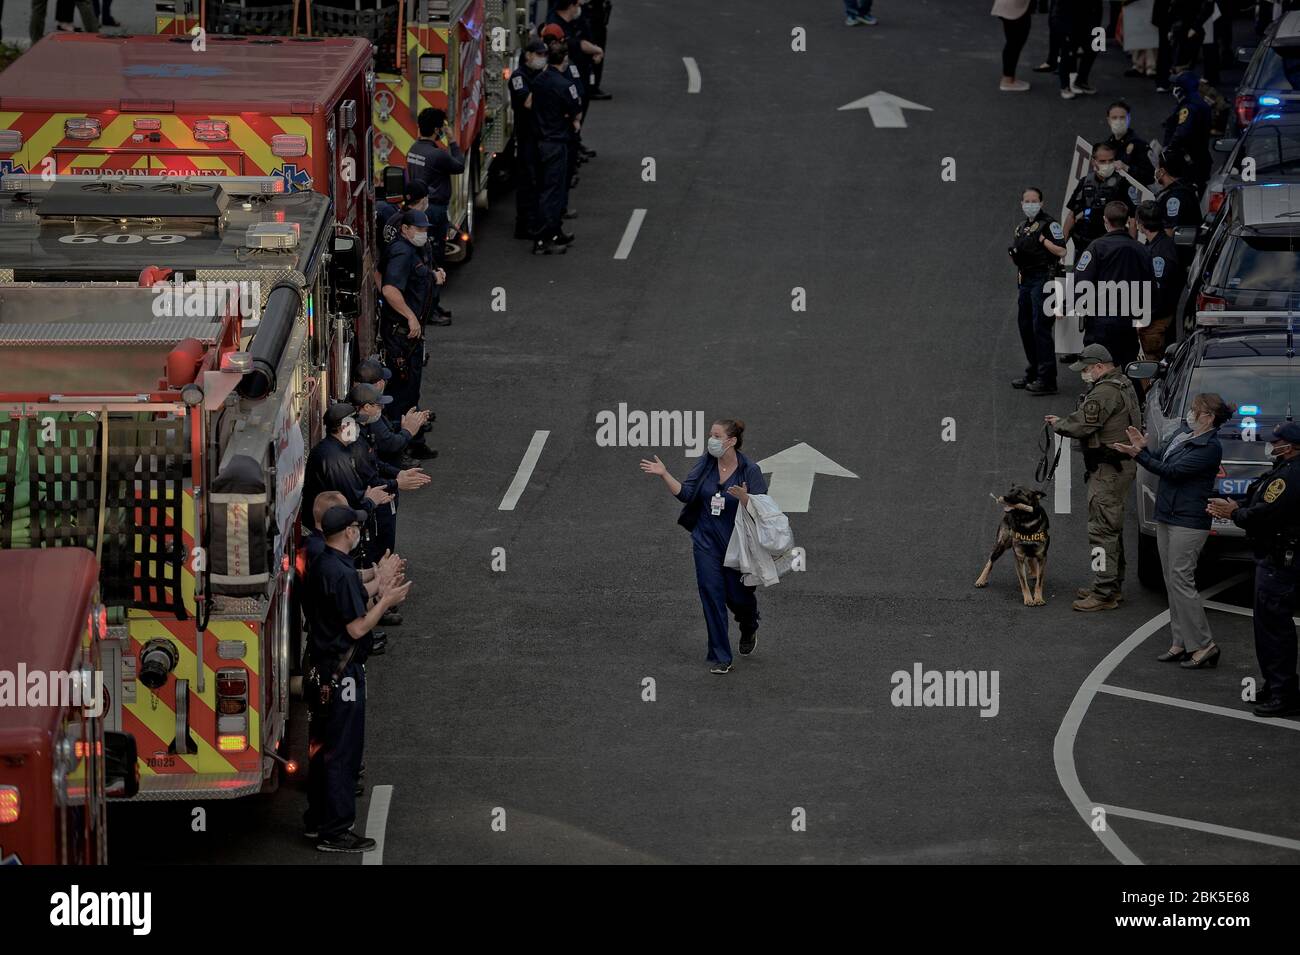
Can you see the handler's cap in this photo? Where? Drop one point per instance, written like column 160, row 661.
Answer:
column 364, row 393
column 553, row 30
column 372, row 370
column 337, row 414
column 537, row 47
column 338, row 517
column 416, row 218
column 1288, row 431
column 1092, row 355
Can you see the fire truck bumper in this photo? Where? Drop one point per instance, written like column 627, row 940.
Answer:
column 196, row 786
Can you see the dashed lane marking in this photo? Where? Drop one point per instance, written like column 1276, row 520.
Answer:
column 516, row 489
column 630, row 234
column 377, row 823
column 692, row 74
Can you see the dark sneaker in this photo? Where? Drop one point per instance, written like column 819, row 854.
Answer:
column 378, row 644
column 421, row 452
column 439, row 320
column 1020, row 383
column 346, row 842
column 1278, row 707
column 392, row 618
column 747, row 643
column 1041, row 388
column 547, row 247
column 563, row 238
column 720, row 668
column 444, row 312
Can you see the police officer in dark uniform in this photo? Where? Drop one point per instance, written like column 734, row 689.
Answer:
column 331, row 467
column 528, row 161
column 556, row 105
column 410, row 283
column 1170, row 278
column 1037, row 247
column 336, row 603
column 1177, row 200
column 1115, row 257
column 1271, row 518
column 597, row 12
column 1085, row 218
column 1187, row 130
column 1132, row 152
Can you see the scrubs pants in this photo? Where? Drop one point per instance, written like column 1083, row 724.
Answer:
column 720, row 591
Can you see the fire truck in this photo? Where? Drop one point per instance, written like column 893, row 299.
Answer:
column 57, row 764
column 165, row 362
column 294, row 108
column 456, row 55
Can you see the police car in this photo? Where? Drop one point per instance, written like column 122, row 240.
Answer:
column 1251, row 257
column 1248, row 358
column 1272, row 144
column 1272, row 77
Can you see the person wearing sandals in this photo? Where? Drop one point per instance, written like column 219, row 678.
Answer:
column 1187, row 468
column 715, row 490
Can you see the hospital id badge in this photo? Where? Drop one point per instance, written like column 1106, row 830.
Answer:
column 717, row 503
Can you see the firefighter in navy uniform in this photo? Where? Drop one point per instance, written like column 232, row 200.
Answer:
column 331, row 467
column 394, row 439
column 1037, row 246
column 409, row 292
column 335, row 685
column 1187, row 130
column 1177, row 199
column 1271, row 518
column 1085, row 218
column 527, row 158
column 1115, row 257
column 556, row 105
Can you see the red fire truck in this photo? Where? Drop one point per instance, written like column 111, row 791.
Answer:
column 297, row 108
column 57, row 763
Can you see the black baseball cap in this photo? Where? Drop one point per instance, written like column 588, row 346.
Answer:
column 339, row 517
column 365, row 393
column 372, row 370
column 337, row 413
column 416, row 218
column 1288, row 431
column 415, row 191
column 536, row 47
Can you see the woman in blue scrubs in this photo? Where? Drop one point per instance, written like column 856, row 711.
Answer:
column 717, row 486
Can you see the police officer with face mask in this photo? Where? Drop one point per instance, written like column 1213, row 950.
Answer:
column 1132, row 152
column 1271, row 519
column 1037, row 246
column 1085, row 218
column 1187, row 130
column 1170, row 279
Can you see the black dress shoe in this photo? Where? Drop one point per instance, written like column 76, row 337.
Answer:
column 444, row 312
column 573, row 181
column 747, row 643
column 1278, row 707
column 421, row 451
column 563, row 238
column 1170, row 657
column 391, row 618
column 547, row 247
column 1041, row 388
column 359, row 791
column 378, row 643
column 1020, row 382
column 1210, row 659
column 598, row 93
column 439, row 320
column 589, row 153
column 570, row 213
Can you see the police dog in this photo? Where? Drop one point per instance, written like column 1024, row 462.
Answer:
column 1024, row 531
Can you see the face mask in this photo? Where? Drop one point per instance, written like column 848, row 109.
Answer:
column 1030, row 209
column 1086, row 376
column 1276, row 450
column 348, row 434
column 1191, row 418
column 1105, row 170
column 356, row 542
column 368, row 418
column 1118, row 127
column 419, row 239
column 536, row 63
column 716, row 447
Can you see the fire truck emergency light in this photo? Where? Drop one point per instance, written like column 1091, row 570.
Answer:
column 11, row 140
column 212, row 131
column 272, row 235
column 10, row 804
column 151, row 124
column 285, row 145
column 82, row 129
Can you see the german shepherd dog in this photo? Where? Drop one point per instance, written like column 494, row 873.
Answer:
column 1024, row 531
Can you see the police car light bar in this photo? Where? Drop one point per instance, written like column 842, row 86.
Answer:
column 235, row 185
column 1211, row 319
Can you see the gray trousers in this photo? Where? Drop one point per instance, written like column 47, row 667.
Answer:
column 63, row 8
column 1180, row 547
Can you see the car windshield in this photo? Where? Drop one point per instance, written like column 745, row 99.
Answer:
column 1280, row 69
column 1258, row 262
column 1274, row 147
column 1264, row 395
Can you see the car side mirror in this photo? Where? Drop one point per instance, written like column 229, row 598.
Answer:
column 1245, row 52
column 394, row 182
column 1186, row 235
column 1225, row 145
column 121, row 771
column 1142, row 370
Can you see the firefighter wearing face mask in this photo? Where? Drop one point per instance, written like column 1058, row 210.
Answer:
column 1271, row 518
column 410, row 293
column 1085, row 219
column 331, row 466
column 1102, row 419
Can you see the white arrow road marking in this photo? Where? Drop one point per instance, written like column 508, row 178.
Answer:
column 377, row 823
column 792, row 473
column 525, row 471
column 886, row 109
column 629, row 234
column 1061, row 498
column 692, row 75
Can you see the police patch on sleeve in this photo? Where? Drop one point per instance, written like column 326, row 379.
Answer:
column 517, row 82
column 1182, row 115
column 573, row 91
column 1158, row 265
column 1083, row 261
column 1274, row 491
column 1057, row 232
column 1172, row 205
column 1091, row 411
column 1133, row 193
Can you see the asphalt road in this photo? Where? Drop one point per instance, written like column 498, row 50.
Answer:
column 522, row 690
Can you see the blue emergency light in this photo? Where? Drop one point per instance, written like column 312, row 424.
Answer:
column 1248, row 410
column 1270, row 101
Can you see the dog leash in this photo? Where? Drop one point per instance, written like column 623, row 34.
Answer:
column 1047, row 460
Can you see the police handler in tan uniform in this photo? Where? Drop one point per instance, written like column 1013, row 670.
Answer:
column 1102, row 418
